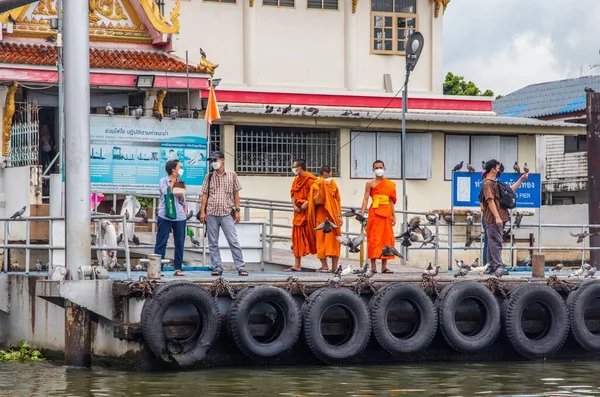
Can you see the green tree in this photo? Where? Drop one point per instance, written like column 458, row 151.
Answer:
column 456, row 85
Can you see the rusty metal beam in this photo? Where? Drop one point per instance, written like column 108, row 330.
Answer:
column 7, row 5
column 593, row 185
column 78, row 336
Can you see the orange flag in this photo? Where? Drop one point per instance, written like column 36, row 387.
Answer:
column 212, row 108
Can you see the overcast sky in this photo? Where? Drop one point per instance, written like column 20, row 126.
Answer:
column 505, row 45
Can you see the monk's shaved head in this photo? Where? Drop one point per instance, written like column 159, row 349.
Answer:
column 378, row 162
column 300, row 163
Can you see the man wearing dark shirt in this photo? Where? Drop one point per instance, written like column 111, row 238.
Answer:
column 495, row 216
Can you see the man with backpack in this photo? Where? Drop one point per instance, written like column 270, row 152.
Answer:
column 497, row 199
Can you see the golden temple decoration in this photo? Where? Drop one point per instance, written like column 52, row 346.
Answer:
column 251, row 3
column 207, row 66
column 8, row 113
column 111, row 9
column 439, row 4
column 354, row 4
column 45, row 7
column 158, row 102
column 158, row 21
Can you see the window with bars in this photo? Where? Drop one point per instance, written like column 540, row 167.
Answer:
column 323, row 4
column 366, row 147
column 215, row 138
column 392, row 22
column 576, row 143
column 271, row 150
column 279, row 3
column 477, row 148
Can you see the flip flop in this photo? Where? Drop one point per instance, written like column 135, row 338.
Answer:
column 387, row 271
column 178, row 273
column 291, row 269
column 323, row 271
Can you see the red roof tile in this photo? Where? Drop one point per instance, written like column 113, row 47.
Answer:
column 42, row 55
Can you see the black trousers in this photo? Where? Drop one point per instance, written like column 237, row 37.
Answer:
column 493, row 232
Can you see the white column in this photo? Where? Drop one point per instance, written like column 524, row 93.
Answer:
column 249, row 43
column 77, row 134
column 437, row 53
column 350, row 45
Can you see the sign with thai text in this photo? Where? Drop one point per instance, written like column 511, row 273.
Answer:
column 467, row 185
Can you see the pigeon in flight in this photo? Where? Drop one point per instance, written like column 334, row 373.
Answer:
column 582, row 235
column 327, row 226
column 390, row 251
column 354, row 213
column 353, row 244
column 431, row 271
column 109, row 110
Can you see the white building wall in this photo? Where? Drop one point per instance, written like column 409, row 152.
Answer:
column 327, row 50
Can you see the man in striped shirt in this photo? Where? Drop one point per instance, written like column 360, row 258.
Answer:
column 220, row 209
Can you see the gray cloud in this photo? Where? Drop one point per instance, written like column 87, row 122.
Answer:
column 507, row 44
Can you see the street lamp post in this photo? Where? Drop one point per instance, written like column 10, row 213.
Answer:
column 414, row 46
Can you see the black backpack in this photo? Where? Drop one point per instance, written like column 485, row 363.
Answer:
column 508, row 198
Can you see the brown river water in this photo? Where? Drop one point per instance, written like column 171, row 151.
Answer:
column 559, row 378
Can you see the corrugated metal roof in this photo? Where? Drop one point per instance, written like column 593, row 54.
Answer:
column 547, row 99
column 437, row 117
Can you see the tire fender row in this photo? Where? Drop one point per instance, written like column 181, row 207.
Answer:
column 470, row 330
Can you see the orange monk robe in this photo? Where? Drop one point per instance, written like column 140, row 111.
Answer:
column 303, row 236
column 379, row 223
column 330, row 207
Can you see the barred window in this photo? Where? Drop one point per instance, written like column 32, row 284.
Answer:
column 323, row 4
column 279, row 3
column 215, row 138
column 271, row 150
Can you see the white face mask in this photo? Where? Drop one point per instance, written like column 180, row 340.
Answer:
column 180, row 171
column 327, row 180
column 295, row 171
column 216, row 165
column 379, row 172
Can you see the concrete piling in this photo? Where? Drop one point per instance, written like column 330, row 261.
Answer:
column 537, row 266
column 593, row 163
column 78, row 336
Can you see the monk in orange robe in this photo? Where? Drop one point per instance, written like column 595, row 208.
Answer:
column 303, row 236
column 382, row 217
column 325, row 203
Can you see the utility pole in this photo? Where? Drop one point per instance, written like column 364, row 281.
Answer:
column 61, row 94
column 77, row 134
column 593, row 163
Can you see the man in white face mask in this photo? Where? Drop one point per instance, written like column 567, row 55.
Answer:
column 382, row 218
column 220, row 209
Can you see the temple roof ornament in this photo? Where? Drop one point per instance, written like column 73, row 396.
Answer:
column 439, row 4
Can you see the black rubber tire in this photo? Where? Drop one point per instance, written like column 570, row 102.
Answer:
column 285, row 306
column 311, row 319
column 193, row 349
column 554, row 339
column 577, row 303
column 426, row 327
column 449, row 300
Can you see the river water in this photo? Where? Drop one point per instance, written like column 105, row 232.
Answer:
column 564, row 378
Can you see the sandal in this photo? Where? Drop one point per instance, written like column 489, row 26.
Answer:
column 374, row 271
column 242, row 273
column 178, row 273
column 291, row 269
column 323, row 271
column 387, row 271
column 216, row 272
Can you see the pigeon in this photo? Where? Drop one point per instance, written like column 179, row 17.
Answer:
column 390, row 251
column 15, row 267
column 586, row 266
column 189, row 215
column 127, row 214
column 139, row 112
column 286, row 109
column 525, row 168
column 120, row 239
column 352, row 243
column 518, row 219
column 38, row 266
column 19, row 213
column 144, row 214
column 431, row 271
column 480, row 269
column 347, row 270
column 327, row 226
column 591, row 273
column 226, row 107
column 354, row 213
column 174, row 113
column 269, row 109
column 202, row 53
column 458, row 166
column 526, row 261
column 557, row 268
column 448, row 219
column 517, row 168
column 582, row 235
column 470, row 168
column 138, row 267
column 428, row 236
column 157, row 114
column 577, row 273
column 109, row 110
column 112, row 211
column 135, row 240
column 195, row 242
column 482, row 165
column 431, row 218
column 459, row 263
column 414, row 223
column 470, row 218
column 472, row 238
column 365, row 270
column 475, row 263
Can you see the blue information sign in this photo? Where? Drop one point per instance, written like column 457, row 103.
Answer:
column 128, row 155
column 467, row 185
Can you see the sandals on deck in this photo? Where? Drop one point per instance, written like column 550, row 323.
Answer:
column 178, row 273
column 387, row 271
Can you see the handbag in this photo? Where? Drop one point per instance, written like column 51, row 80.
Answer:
column 179, row 189
column 170, row 209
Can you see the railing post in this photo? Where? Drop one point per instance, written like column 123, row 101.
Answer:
column 126, row 243
column 511, row 248
column 347, row 228
column 27, row 240
column 4, row 243
column 51, row 245
column 437, row 242
column 264, row 247
column 155, row 217
column 271, row 213
column 582, row 248
column 246, row 213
